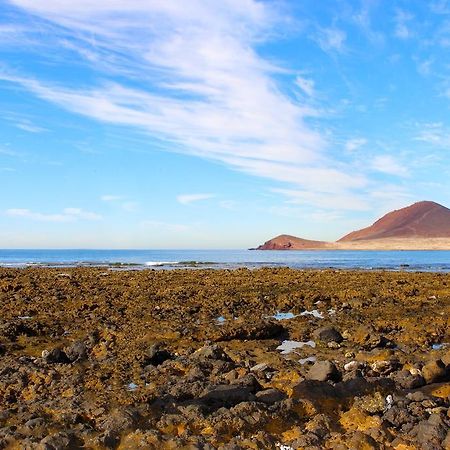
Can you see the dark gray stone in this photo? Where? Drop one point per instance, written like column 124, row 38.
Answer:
column 270, row 396
column 328, row 334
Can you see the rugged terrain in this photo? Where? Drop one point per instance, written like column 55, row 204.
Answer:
column 420, row 220
column 421, row 226
column 288, row 242
column 189, row 359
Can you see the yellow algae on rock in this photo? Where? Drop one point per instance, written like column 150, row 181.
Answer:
column 357, row 420
column 292, row 434
column 285, row 380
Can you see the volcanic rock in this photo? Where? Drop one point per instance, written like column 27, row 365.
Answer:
column 434, row 371
column 323, row 371
column 328, row 334
column 423, row 219
column 287, row 242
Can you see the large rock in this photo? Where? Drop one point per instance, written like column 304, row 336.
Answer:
column 157, row 355
column 404, row 379
column 77, row 351
column 210, row 352
column 368, row 338
column 228, row 394
column 55, row 356
column 328, row 334
column 434, row 371
column 430, row 433
column 323, row 371
column 398, row 416
column 270, row 396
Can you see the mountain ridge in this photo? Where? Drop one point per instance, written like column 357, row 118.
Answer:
column 422, row 225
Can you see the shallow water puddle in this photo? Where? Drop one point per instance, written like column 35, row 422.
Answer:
column 284, row 315
column 315, row 313
column 132, row 387
column 287, row 347
column 440, row 345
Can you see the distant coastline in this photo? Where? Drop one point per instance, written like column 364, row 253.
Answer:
column 422, row 226
column 419, row 244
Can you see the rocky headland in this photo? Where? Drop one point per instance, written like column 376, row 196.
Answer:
column 224, row 359
column 421, row 226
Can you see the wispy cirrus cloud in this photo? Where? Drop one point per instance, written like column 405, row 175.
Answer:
column 306, row 85
column 354, row 144
column 67, row 215
column 187, row 199
column 403, row 28
column 331, row 39
column 389, row 165
column 435, row 134
column 203, row 89
column 29, row 127
column 337, row 202
column 122, row 201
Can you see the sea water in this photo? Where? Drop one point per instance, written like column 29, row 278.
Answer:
column 430, row 261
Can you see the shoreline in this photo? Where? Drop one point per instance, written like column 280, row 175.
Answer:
column 276, row 356
column 388, row 244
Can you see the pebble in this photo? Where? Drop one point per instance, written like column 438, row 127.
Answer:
column 352, row 365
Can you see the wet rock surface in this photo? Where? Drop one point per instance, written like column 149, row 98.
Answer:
column 139, row 359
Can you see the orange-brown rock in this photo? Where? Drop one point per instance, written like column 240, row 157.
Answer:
column 422, row 226
column 287, row 242
column 420, row 220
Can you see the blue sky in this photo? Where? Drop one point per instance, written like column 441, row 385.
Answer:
column 150, row 124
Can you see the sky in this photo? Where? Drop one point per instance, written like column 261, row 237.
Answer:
column 206, row 124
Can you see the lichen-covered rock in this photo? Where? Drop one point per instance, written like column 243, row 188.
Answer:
column 137, row 359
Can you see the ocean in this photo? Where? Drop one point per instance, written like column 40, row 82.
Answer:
column 429, row 261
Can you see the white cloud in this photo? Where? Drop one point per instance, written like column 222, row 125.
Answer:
column 434, row 133
column 440, row 7
column 388, row 164
column 227, row 204
column 424, row 67
column 121, row 200
column 4, row 150
column 29, row 127
column 353, row 144
column 204, row 90
column 187, row 199
column 402, row 29
column 67, row 215
column 343, row 202
column 331, row 39
column 306, row 85
column 363, row 20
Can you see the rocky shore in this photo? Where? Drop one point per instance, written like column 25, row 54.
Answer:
column 224, row 359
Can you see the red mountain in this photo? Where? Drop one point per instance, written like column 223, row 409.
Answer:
column 286, row 242
column 420, row 220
